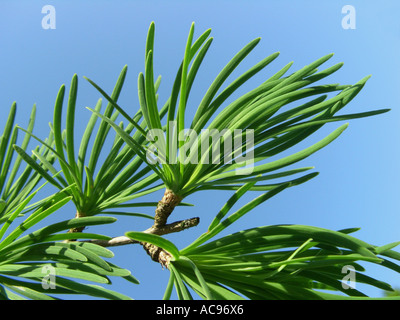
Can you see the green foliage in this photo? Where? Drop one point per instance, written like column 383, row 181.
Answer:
column 272, row 262
column 16, row 183
column 25, row 254
column 24, row 259
column 265, row 262
column 262, row 110
column 120, row 177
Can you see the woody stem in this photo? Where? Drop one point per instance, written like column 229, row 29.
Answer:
column 165, row 207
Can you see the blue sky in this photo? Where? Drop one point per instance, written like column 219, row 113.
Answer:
column 359, row 172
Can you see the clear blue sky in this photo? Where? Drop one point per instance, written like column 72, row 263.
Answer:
column 358, row 185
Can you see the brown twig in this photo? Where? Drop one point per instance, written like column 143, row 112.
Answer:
column 160, row 227
column 169, row 228
column 165, row 207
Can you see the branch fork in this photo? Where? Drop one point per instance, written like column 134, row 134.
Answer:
column 160, row 227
